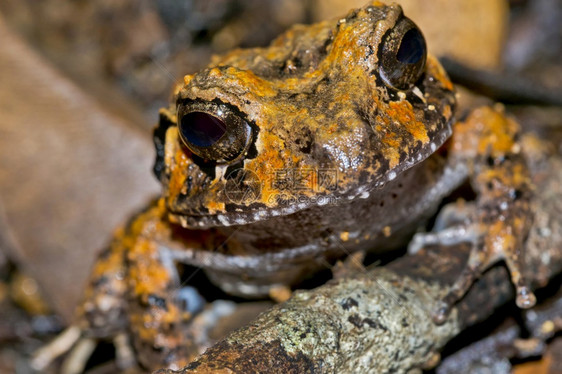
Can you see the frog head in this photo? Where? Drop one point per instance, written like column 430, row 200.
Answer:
column 324, row 115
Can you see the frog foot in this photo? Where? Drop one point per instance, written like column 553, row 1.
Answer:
column 80, row 348
column 491, row 242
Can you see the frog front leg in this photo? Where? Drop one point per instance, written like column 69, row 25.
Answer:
column 497, row 223
column 134, row 299
column 159, row 311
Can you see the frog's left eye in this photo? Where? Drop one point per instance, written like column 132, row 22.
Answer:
column 212, row 131
column 403, row 55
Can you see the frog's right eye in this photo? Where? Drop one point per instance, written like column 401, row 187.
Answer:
column 213, row 131
column 403, row 55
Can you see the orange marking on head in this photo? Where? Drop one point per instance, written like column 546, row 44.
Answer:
column 187, row 79
column 178, row 174
column 246, row 78
column 404, row 113
column 434, row 68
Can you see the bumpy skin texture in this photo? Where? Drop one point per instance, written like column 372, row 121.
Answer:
column 318, row 107
column 315, row 100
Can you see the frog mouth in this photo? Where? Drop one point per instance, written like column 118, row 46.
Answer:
column 258, row 213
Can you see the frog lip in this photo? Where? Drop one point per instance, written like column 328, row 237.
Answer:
column 205, row 221
column 262, row 213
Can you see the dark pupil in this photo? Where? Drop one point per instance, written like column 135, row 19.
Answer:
column 412, row 47
column 201, row 129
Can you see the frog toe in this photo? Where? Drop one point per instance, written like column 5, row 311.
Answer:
column 446, row 237
column 63, row 343
column 77, row 349
column 76, row 360
column 525, row 298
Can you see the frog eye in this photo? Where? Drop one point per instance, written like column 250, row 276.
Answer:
column 403, row 55
column 213, row 131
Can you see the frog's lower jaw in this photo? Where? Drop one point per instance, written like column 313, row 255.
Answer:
column 283, row 251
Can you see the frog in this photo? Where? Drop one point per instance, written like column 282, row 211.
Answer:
column 338, row 138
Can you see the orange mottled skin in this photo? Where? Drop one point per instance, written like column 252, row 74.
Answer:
column 314, row 100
